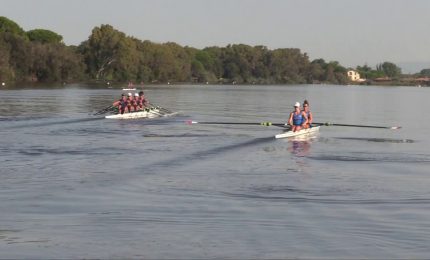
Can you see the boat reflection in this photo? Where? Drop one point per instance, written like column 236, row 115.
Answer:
column 300, row 148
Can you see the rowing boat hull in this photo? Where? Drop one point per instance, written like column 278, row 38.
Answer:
column 134, row 115
column 303, row 132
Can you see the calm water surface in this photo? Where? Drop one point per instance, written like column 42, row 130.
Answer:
column 74, row 185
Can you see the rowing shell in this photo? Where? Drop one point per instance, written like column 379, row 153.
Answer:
column 140, row 114
column 303, row 132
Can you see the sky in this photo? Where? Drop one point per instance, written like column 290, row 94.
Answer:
column 351, row 32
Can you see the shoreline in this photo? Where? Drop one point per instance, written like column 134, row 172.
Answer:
column 124, row 86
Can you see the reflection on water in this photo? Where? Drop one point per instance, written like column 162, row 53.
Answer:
column 299, row 148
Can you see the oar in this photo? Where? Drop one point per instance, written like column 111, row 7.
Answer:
column 368, row 126
column 190, row 122
column 104, row 110
column 152, row 110
column 161, row 108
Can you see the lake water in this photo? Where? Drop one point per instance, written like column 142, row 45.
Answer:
column 74, row 185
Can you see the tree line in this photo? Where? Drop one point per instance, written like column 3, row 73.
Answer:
column 109, row 55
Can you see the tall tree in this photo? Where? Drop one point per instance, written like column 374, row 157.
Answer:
column 390, row 69
column 101, row 50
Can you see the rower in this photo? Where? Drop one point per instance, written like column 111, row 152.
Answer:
column 136, row 102
column 121, row 104
column 130, row 103
column 142, row 100
column 308, row 112
column 297, row 119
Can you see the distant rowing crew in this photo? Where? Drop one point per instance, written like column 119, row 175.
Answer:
column 129, row 103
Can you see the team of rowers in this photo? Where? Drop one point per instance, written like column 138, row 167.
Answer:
column 131, row 103
column 300, row 118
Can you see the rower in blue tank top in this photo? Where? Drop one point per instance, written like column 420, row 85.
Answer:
column 308, row 113
column 298, row 118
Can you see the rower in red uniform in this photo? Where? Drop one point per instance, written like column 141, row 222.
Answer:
column 136, row 102
column 130, row 103
column 121, row 104
column 142, row 100
column 297, row 118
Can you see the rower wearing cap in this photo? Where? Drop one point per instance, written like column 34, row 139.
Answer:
column 136, row 102
column 130, row 102
column 298, row 118
column 121, row 104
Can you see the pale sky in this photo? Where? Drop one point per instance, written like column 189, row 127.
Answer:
column 352, row 32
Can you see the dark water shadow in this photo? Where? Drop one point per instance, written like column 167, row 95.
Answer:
column 232, row 147
column 214, row 151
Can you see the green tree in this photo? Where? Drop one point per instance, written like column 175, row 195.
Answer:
column 365, row 71
column 390, row 69
column 44, row 36
column 19, row 54
column 317, row 71
column 101, row 50
column 9, row 26
column 6, row 72
column 425, row 72
column 55, row 62
column 109, row 54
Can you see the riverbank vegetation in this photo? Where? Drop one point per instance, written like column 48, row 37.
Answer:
column 109, row 55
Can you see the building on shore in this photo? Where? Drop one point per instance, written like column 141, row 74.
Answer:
column 354, row 76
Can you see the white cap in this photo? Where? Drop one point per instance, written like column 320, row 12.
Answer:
column 136, row 94
column 129, row 94
column 297, row 104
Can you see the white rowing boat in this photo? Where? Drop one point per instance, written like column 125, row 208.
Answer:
column 303, row 132
column 148, row 113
